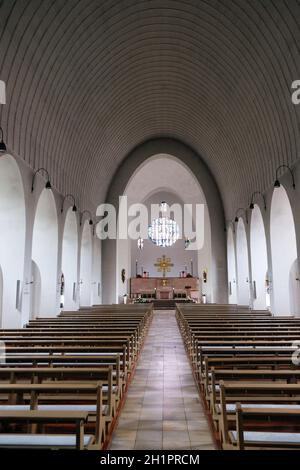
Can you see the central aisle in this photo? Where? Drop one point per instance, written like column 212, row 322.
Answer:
column 163, row 409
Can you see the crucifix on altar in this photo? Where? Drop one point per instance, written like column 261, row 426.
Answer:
column 164, row 265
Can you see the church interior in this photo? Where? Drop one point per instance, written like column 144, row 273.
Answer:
column 150, row 225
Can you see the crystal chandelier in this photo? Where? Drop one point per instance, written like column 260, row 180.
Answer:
column 163, row 232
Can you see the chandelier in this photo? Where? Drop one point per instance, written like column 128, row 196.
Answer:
column 163, row 232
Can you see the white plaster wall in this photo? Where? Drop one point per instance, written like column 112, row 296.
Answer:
column 259, row 262
column 69, row 260
column 86, row 266
column 242, row 264
column 12, row 239
column 45, row 252
column 284, row 250
column 231, row 263
column 97, row 278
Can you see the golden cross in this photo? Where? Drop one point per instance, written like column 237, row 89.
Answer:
column 164, row 265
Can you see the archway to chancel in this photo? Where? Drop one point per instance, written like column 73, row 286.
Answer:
column 285, row 287
column 191, row 161
column 231, row 260
column 44, row 255
column 85, row 283
column 165, row 178
column 12, row 241
column 259, row 260
column 243, row 291
column 69, row 261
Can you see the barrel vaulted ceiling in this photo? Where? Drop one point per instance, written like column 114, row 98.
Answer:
column 89, row 80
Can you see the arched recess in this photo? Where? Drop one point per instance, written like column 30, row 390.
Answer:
column 164, row 177
column 86, row 266
column 231, row 261
column 259, row 260
column 36, row 286
column 243, row 291
column 12, row 241
column 195, row 164
column 284, row 255
column 69, row 261
column 96, row 284
column 44, row 255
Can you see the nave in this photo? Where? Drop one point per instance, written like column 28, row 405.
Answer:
column 163, row 409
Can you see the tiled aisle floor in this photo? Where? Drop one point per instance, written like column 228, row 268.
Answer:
column 163, row 409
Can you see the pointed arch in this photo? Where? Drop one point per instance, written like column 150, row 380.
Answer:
column 231, row 261
column 284, row 253
column 86, row 266
column 242, row 264
column 70, row 261
column 259, row 259
column 44, row 255
column 12, row 240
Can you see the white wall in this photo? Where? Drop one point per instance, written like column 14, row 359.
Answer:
column 69, row 260
column 284, row 251
column 86, row 266
column 45, row 252
column 97, row 278
column 231, row 268
column 12, row 238
column 259, row 261
column 242, row 264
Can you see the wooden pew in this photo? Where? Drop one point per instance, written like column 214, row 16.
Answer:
column 78, row 440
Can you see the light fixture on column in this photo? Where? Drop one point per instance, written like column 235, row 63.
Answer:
column 237, row 213
column 2, row 144
column 74, row 208
column 86, row 212
column 251, row 207
column 140, row 243
column 230, row 223
column 48, row 184
column 277, row 182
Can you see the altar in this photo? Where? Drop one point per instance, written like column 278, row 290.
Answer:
column 165, row 288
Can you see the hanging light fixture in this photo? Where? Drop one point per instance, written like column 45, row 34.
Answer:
column 237, row 212
column 2, row 144
column 187, row 243
column 163, row 232
column 74, row 208
column 277, row 182
column 251, row 207
column 48, row 183
column 86, row 212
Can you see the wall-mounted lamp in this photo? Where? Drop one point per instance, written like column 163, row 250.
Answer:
column 238, row 211
column 251, row 207
column 229, row 223
column 48, row 184
column 74, row 208
column 86, row 212
column 277, row 182
column 2, row 144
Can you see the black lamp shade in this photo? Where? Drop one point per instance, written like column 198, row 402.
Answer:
column 74, row 208
column 236, row 219
column 2, row 147
column 251, row 206
column 277, row 184
column 48, row 185
column 91, row 222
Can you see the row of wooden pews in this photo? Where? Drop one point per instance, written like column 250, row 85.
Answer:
column 243, row 364
column 63, row 379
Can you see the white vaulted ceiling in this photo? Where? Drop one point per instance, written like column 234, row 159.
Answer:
column 89, row 80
